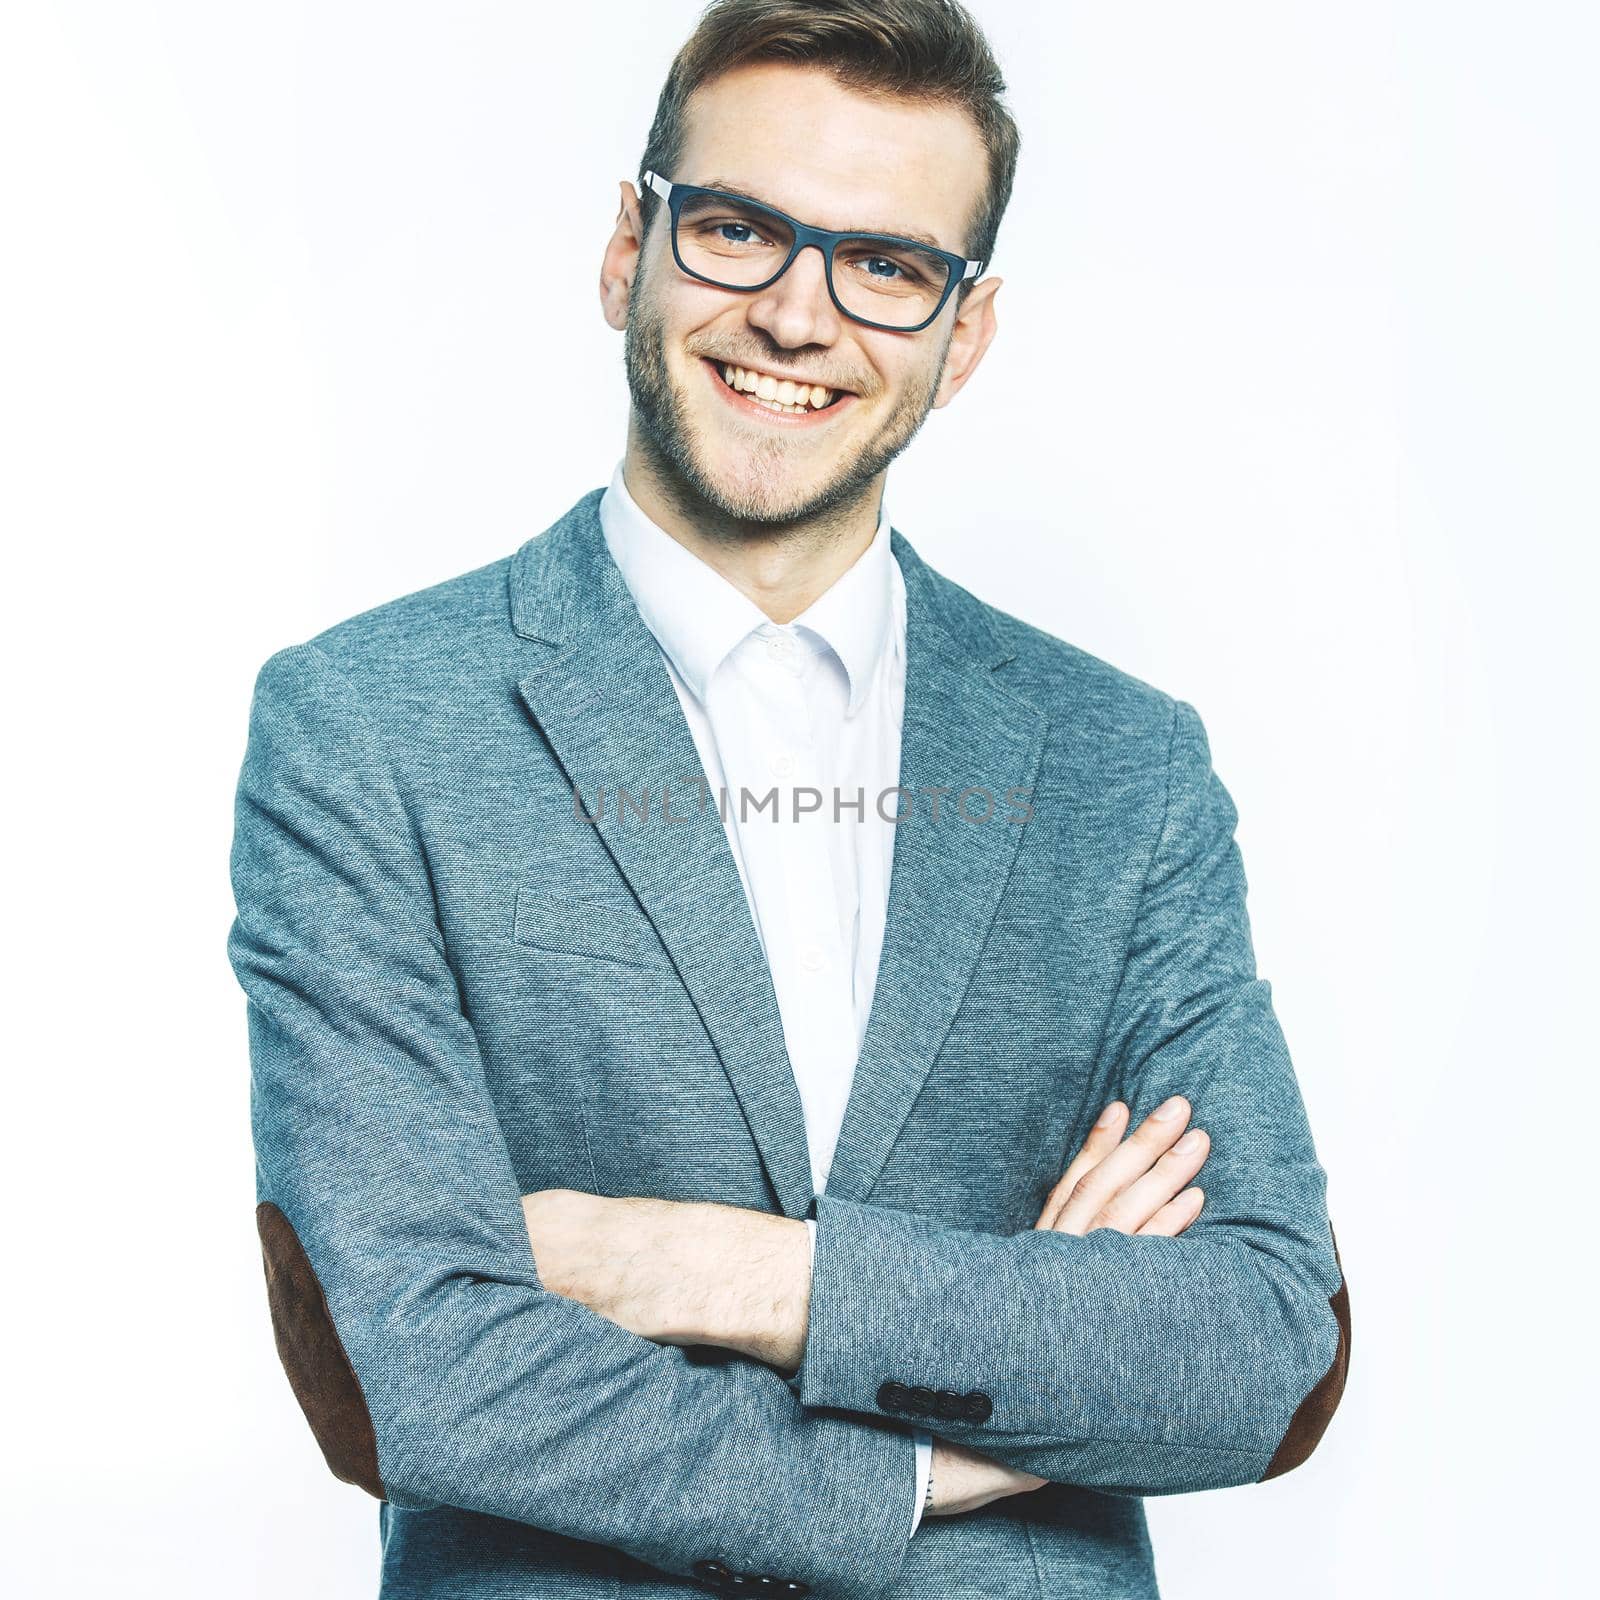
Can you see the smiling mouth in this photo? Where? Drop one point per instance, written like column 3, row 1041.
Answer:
column 783, row 395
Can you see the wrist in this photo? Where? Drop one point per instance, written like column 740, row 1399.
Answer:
column 763, row 1292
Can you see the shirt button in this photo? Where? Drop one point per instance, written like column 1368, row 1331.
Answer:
column 782, row 764
column 812, row 958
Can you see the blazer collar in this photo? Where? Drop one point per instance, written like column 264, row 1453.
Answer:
column 602, row 699
column 563, row 582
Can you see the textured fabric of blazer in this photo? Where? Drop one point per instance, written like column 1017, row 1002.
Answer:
column 462, row 988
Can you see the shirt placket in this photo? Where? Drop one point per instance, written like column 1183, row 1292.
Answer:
column 810, row 965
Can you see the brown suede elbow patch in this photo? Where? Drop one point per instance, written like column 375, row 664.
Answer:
column 314, row 1356
column 1313, row 1414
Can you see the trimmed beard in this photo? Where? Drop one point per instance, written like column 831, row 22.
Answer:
column 672, row 440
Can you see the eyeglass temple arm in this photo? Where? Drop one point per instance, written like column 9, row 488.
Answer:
column 654, row 180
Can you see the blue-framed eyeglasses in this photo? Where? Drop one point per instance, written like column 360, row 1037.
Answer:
column 738, row 243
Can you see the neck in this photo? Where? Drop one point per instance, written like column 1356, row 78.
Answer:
column 781, row 566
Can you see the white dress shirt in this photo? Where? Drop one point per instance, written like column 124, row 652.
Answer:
column 798, row 730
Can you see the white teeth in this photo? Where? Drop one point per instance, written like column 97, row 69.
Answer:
column 778, row 394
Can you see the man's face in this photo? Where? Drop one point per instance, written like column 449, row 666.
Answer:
column 832, row 157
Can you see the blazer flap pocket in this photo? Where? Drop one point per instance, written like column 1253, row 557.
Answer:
column 608, row 929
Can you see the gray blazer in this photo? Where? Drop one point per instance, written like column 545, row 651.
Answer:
column 461, row 989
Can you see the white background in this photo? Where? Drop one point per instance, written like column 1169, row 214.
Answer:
column 1292, row 413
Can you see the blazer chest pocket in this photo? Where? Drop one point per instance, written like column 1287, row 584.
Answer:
column 605, row 929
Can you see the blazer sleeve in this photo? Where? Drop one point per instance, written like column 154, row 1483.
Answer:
column 924, row 1439
column 1131, row 1364
column 433, row 1366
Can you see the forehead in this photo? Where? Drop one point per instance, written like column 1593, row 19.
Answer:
column 835, row 157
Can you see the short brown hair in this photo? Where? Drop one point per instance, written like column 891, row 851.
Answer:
column 928, row 50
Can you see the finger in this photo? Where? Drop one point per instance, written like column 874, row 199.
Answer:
column 1104, row 1137
column 1130, row 1210
column 1176, row 1214
column 1129, row 1161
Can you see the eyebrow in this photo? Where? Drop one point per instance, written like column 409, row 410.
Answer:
column 723, row 186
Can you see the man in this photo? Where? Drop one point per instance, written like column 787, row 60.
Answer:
column 682, row 956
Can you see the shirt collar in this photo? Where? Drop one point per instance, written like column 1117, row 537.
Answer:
column 698, row 616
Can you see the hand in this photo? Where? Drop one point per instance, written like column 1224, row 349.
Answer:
column 964, row 1479
column 585, row 1246
column 678, row 1271
column 1130, row 1185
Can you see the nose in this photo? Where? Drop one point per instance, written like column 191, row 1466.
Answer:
column 797, row 309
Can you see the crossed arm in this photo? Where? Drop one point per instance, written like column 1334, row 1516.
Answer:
column 699, row 1273
column 437, row 1366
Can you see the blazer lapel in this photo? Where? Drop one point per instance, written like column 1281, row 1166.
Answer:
column 605, row 702
column 961, row 729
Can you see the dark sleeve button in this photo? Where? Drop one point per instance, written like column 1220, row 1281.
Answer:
column 950, row 1405
column 893, row 1396
column 979, row 1406
column 922, row 1401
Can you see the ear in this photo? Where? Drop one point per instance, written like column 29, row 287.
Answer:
column 621, row 259
column 975, row 326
